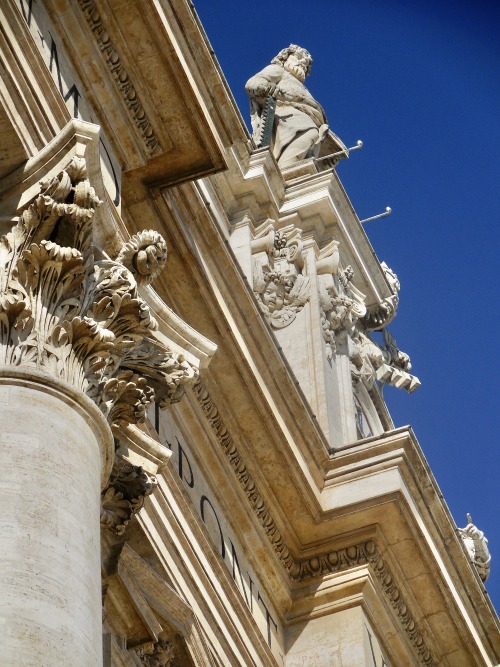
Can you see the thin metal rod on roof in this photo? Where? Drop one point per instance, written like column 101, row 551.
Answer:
column 359, row 144
column 388, row 211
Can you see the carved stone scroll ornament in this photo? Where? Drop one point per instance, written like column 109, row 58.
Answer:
column 144, row 255
column 477, row 548
column 128, row 487
column 68, row 309
column 279, row 285
column 160, row 654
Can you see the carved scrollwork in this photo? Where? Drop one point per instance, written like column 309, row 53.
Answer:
column 333, row 561
column 400, row 607
column 144, row 255
column 243, row 475
column 70, row 310
column 120, row 75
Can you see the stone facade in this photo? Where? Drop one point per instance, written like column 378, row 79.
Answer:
column 198, row 466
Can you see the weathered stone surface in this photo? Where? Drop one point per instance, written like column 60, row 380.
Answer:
column 51, row 448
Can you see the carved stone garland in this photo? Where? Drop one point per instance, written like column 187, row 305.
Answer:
column 70, row 310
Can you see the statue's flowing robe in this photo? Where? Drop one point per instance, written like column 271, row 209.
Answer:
column 296, row 109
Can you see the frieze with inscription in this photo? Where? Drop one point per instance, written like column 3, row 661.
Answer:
column 221, row 534
column 70, row 86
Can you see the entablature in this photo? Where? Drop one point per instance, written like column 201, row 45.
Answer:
column 116, row 65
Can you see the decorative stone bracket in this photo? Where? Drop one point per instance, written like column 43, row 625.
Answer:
column 341, row 303
column 386, row 364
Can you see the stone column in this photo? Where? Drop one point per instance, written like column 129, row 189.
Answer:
column 55, row 447
column 80, row 361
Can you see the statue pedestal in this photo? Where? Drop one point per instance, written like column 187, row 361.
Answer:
column 55, row 446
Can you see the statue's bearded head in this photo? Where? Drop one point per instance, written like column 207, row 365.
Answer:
column 295, row 60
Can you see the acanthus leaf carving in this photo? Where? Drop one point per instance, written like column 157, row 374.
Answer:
column 68, row 309
column 167, row 371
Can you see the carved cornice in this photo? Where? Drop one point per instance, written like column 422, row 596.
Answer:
column 244, row 477
column 399, row 605
column 364, row 553
column 361, row 554
column 69, row 310
column 333, row 561
column 120, row 75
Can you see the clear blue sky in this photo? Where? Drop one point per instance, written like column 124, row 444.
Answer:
column 419, row 83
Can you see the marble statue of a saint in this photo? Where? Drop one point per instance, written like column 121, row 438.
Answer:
column 300, row 123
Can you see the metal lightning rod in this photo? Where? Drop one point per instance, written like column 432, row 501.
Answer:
column 359, row 144
column 388, row 211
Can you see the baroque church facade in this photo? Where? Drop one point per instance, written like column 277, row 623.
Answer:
column 198, row 466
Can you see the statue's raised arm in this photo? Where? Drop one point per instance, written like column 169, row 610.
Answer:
column 299, row 124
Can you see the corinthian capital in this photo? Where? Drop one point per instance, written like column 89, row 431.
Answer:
column 70, row 310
